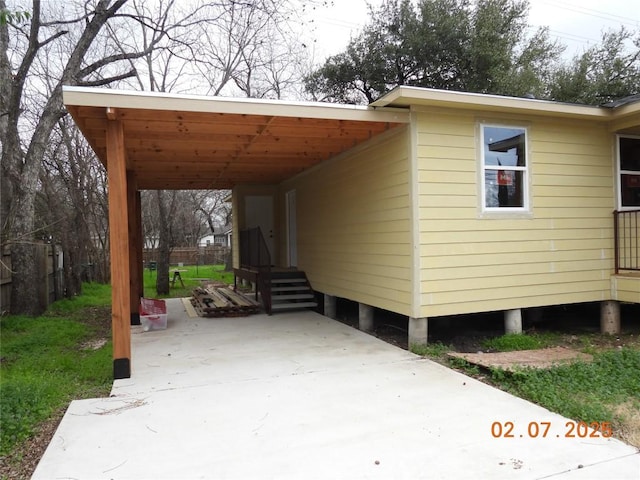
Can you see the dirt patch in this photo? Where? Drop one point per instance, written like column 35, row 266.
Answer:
column 98, row 319
column 629, row 412
column 510, row 361
column 94, row 344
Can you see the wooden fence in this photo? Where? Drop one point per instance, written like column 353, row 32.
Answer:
column 210, row 255
column 50, row 285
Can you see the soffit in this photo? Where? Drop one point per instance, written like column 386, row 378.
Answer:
column 188, row 142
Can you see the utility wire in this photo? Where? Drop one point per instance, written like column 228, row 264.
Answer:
column 593, row 13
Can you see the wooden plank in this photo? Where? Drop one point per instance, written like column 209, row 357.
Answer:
column 239, row 298
column 218, row 299
column 222, row 302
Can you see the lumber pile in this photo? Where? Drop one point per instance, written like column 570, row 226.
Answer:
column 217, row 301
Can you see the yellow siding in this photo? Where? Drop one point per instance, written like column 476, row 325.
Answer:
column 353, row 224
column 626, row 288
column 562, row 252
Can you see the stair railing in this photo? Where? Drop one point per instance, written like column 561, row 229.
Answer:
column 254, row 255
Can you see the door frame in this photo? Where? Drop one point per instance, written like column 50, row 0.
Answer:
column 292, row 228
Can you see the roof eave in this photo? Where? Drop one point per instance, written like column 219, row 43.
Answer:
column 101, row 97
column 407, row 97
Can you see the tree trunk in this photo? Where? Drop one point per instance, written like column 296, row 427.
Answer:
column 22, row 169
column 24, row 288
column 228, row 262
column 164, row 239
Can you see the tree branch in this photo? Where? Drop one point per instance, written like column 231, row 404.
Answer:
column 106, row 81
column 52, row 38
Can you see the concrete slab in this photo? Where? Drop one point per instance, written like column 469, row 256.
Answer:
column 510, row 361
column 299, row 395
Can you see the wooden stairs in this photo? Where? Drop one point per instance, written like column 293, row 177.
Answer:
column 290, row 290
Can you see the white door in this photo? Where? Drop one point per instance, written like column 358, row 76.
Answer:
column 292, row 232
column 259, row 213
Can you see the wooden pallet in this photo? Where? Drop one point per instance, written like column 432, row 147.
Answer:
column 216, row 301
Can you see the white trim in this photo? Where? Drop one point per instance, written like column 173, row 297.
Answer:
column 292, row 227
column 414, row 215
column 620, row 172
column 405, row 96
column 102, row 97
column 501, row 212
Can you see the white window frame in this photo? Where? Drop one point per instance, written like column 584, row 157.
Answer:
column 500, row 212
column 620, row 172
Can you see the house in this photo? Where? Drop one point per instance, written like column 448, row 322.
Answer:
column 425, row 203
column 222, row 236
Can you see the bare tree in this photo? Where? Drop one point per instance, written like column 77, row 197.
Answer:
column 168, row 45
column 71, row 183
column 63, row 44
column 71, row 33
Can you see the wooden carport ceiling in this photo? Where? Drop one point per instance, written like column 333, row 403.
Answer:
column 187, row 142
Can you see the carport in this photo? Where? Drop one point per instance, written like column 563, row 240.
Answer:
column 150, row 141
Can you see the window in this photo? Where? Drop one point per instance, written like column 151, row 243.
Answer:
column 504, row 168
column 629, row 168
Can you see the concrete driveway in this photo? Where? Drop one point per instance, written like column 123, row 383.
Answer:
column 298, row 395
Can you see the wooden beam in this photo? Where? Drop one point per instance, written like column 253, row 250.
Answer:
column 119, row 249
column 135, row 257
column 111, row 113
column 140, row 244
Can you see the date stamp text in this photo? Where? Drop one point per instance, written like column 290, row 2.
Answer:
column 570, row 429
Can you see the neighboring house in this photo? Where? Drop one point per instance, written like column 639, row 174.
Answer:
column 426, row 203
column 222, row 236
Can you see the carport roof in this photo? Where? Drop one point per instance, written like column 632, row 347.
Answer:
column 197, row 142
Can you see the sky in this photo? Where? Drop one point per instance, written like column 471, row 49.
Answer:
column 575, row 23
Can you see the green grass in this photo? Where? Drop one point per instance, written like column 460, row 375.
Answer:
column 93, row 295
column 432, row 350
column 191, row 279
column 586, row 392
column 515, row 341
column 45, row 366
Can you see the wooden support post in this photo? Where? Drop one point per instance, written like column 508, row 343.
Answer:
column 134, row 259
column 140, row 245
column 119, row 247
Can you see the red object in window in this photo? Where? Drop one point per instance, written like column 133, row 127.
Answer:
column 633, row 181
column 505, row 178
column 151, row 306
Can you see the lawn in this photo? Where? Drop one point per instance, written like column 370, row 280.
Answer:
column 191, row 278
column 49, row 360
column 63, row 355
